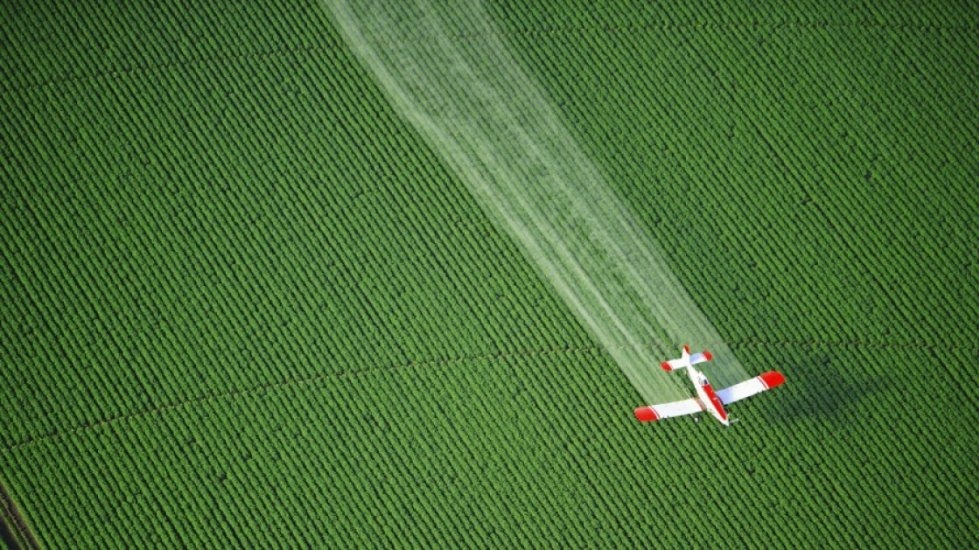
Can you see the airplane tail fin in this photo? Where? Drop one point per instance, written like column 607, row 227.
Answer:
column 686, row 359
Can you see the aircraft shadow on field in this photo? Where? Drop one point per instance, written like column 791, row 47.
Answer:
column 824, row 389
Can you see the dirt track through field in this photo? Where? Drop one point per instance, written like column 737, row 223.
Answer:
column 448, row 73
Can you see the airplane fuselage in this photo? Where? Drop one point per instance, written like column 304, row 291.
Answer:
column 706, row 395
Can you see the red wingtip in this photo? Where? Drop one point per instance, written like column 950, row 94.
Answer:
column 646, row 414
column 665, row 366
column 772, row 379
column 686, row 348
column 708, row 355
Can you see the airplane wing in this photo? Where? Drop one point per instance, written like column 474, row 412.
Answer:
column 651, row 413
column 758, row 384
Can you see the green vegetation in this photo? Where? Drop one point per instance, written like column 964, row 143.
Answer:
column 243, row 303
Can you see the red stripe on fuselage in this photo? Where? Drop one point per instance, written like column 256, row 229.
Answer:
column 715, row 401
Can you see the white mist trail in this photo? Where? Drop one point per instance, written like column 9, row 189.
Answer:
column 449, row 74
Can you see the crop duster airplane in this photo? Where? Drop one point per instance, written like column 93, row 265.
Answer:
column 707, row 399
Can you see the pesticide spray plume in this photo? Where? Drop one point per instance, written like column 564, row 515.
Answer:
column 448, row 73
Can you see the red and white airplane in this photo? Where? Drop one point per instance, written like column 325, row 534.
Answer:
column 707, row 399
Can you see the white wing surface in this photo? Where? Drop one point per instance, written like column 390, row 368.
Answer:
column 748, row 388
column 651, row 413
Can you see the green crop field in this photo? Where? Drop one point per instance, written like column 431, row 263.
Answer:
column 244, row 303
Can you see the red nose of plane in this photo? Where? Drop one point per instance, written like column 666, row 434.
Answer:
column 665, row 366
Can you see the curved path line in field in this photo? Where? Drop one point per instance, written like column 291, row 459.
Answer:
column 299, row 383
column 498, row 132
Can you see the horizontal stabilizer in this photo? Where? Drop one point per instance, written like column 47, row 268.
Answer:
column 701, row 357
column 686, row 360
